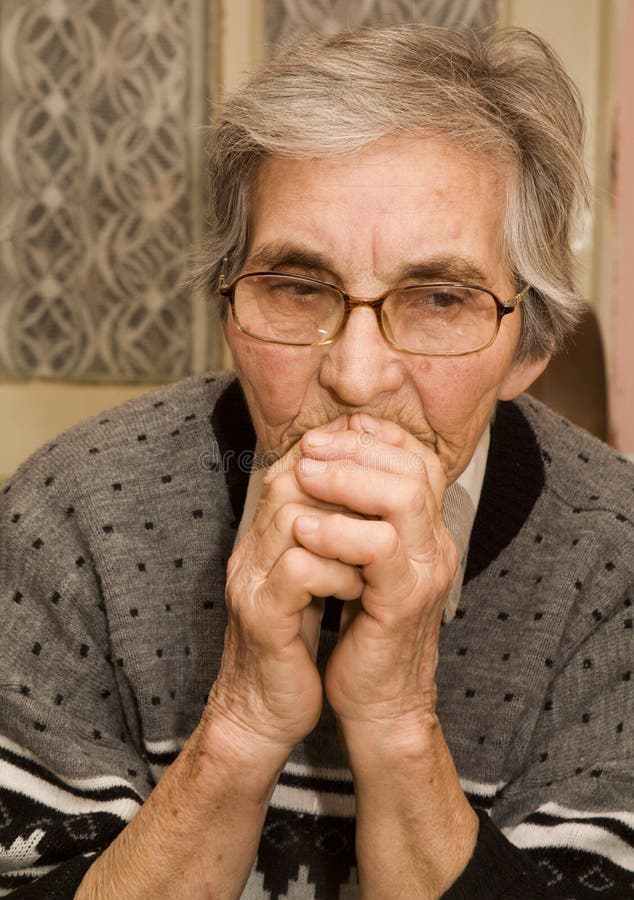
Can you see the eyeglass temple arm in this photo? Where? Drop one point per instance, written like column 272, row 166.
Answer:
column 509, row 305
column 222, row 282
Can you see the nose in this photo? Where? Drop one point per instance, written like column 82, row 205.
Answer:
column 360, row 368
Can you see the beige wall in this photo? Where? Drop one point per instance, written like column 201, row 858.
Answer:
column 32, row 412
column 594, row 39
column 622, row 319
column 584, row 35
column 584, row 32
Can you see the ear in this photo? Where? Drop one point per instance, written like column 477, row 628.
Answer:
column 520, row 377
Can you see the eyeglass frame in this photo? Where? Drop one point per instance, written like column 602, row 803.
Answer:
column 503, row 308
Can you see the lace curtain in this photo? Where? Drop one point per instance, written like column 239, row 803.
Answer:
column 285, row 18
column 101, row 186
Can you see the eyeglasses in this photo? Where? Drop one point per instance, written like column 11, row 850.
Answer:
column 444, row 319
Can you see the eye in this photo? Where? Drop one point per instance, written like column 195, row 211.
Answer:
column 293, row 289
column 427, row 299
column 445, row 298
column 302, row 288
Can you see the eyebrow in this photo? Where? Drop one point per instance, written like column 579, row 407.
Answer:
column 445, row 267
column 287, row 255
column 450, row 267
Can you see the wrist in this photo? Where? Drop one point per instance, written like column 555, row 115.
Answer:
column 182, row 842
column 222, row 744
column 409, row 801
column 395, row 743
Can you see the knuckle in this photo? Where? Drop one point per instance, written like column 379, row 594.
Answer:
column 283, row 519
column 253, row 614
column 295, row 564
column 243, row 587
column 419, row 495
column 236, row 575
column 280, row 488
column 388, row 538
column 233, row 567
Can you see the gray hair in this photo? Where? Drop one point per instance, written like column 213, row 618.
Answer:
column 505, row 98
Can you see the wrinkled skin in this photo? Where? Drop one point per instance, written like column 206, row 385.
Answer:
column 366, row 438
column 374, row 530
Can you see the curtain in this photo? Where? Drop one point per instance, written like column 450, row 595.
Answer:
column 102, row 108
column 285, row 18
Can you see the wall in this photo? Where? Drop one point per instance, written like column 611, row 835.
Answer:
column 622, row 319
column 581, row 35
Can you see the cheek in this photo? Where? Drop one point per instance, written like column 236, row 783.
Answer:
column 458, row 393
column 275, row 379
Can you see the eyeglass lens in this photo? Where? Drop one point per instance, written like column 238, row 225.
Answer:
column 433, row 319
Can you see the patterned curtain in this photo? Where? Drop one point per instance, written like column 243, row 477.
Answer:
column 102, row 104
column 285, row 18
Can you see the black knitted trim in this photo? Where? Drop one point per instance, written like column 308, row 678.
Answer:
column 60, row 884
column 235, row 435
column 513, row 481
column 497, row 869
column 500, row 871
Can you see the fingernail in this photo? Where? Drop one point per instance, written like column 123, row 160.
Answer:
column 318, row 438
column 307, row 524
column 310, row 466
column 366, row 421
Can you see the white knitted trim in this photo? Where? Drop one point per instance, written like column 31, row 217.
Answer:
column 19, row 781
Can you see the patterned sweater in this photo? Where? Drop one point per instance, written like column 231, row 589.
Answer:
column 113, row 546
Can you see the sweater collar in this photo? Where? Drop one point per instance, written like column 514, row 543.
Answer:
column 513, row 481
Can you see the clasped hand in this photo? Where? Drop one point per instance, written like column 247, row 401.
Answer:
column 354, row 511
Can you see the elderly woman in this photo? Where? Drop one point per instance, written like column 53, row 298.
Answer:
column 356, row 623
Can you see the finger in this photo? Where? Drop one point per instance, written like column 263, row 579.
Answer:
column 394, row 582
column 374, row 546
column 404, row 500
column 355, row 542
column 296, row 579
column 365, row 450
column 271, row 615
column 389, row 432
column 278, row 486
column 286, row 463
column 306, row 575
column 387, row 448
column 378, row 549
column 311, row 625
column 271, row 533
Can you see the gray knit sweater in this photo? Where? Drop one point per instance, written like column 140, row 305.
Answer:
column 113, row 546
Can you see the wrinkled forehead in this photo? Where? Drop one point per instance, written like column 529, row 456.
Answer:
column 400, row 196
